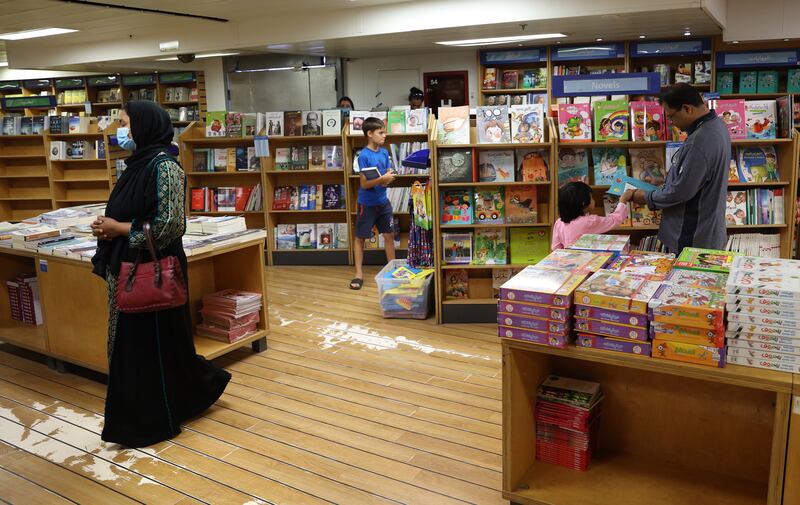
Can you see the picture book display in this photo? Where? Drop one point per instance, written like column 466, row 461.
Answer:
column 527, row 123
column 456, row 284
column 611, row 120
column 574, row 122
column 533, row 165
column 529, row 245
column 617, row 291
column 653, row 265
column 456, row 206
column 456, row 165
column 647, row 165
column 491, row 123
column 758, row 164
column 490, row 247
column 695, row 307
column 760, row 119
column 692, row 258
column 489, row 204
column 647, row 121
column 543, row 286
column 609, row 163
column 495, row 165
column 521, row 204
column 573, row 165
column 733, row 114
column 457, row 248
column 453, row 125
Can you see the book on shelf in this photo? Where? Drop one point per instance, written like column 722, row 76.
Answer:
column 574, row 122
column 496, row 166
column 395, row 122
column 293, row 123
column 532, row 165
column 274, row 124
column 527, row 123
column 647, row 121
column 356, row 121
column 748, row 81
column 216, row 124
column 610, row 203
column 647, row 164
column 489, row 78
column 608, row 163
column 755, row 206
column 283, row 158
column 306, row 236
column 573, row 165
column 529, row 246
column 417, row 120
column 325, row 236
column 453, row 125
column 521, row 205
column 492, row 125
column 491, row 247
column 311, row 123
column 299, row 158
column 724, row 83
column 489, row 205
column 784, row 108
column 767, row 81
column 641, row 215
column 316, row 157
column 248, row 124
column 732, row 112
column 333, row 158
column 702, row 72
column 332, row 122
column 456, row 284
column 683, row 73
column 510, row 79
column 233, row 124
column 758, row 164
column 760, row 119
column 457, row 248
column 755, row 244
column 456, row 165
column 793, row 80
column 611, row 120
column 456, row 206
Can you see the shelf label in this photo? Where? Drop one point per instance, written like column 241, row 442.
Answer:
column 136, row 80
column 103, row 80
column 784, row 58
column 644, row 83
column 671, row 48
column 23, row 102
column 74, row 82
column 175, row 77
column 523, row 55
column 37, row 83
column 43, row 266
column 596, row 52
column 262, row 146
column 9, row 85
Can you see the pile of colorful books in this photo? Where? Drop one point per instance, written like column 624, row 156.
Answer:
column 229, row 315
column 567, row 421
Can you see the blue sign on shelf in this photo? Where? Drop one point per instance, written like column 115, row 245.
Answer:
column 521, row 55
column 643, row 83
column 670, row 48
column 778, row 58
column 588, row 52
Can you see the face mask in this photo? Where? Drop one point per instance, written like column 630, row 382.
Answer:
column 123, row 140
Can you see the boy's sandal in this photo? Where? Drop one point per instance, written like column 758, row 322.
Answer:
column 356, row 283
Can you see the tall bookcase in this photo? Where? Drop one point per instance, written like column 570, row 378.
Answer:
column 377, row 256
column 483, row 307
column 24, row 182
column 518, row 59
column 78, row 181
column 194, row 137
column 274, row 178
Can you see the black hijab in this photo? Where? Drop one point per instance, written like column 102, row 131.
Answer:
column 134, row 198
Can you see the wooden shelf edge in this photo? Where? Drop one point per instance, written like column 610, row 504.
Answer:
column 210, row 348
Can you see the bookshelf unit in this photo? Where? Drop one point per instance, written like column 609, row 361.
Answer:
column 113, row 151
column 24, row 184
column 77, row 181
column 274, row 178
column 194, row 137
column 645, row 55
column 481, row 305
column 376, row 255
column 779, row 57
column 587, row 59
column 519, row 59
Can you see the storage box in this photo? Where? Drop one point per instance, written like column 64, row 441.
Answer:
column 533, row 310
column 613, row 344
column 611, row 316
column 611, row 330
column 402, row 297
column 534, row 323
column 537, row 337
column 689, row 353
column 687, row 334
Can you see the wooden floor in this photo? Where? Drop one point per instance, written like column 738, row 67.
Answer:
column 344, row 407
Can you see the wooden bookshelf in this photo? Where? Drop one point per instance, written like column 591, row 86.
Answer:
column 78, row 181
column 527, row 58
column 376, row 255
column 24, row 186
column 274, row 178
column 481, row 306
column 194, row 137
column 654, row 439
column 673, row 53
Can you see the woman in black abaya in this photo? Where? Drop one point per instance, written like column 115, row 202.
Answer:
column 156, row 380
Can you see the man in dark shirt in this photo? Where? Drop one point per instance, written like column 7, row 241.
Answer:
column 692, row 199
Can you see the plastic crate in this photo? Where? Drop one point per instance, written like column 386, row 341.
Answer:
column 414, row 299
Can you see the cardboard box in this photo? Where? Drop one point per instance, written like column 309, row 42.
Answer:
column 611, row 316
column 542, row 286
column 613, row 344
column 536, row 337
column 764, row 363
column 533, row 310
column 610, row 329
column 689, row 353
column 687, row 334
column 617, row 291
column 534, row 323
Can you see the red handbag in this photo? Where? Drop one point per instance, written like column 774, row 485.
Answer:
column 153, row 286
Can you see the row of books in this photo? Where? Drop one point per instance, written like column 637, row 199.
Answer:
column 698, row 72
column 112, row 95
column 494, row 246
column 226, row 199
column 24, row 300
column 274, row 124
column 399, row 152
column 516, row 99
column 526, row 124
column 312, row 236
column 586, row 69
column 77, row 150
column 755, row 206
column 71, row 97
column 398, row 120
column 142, row 94
column 309, row 197
column 489, row 205
column 757, row 81
column 309, row 158
column 180, row 94
column 24, row 125
column 514, row 79
column 755, row 244
column 191, row 113
column 225, row 159
column 520, row 165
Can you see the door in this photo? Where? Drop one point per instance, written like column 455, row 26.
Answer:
column 446, row 88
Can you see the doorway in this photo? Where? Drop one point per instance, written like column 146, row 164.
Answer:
column 446, row 88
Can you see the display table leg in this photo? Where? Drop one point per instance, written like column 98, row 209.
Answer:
column 260, row 345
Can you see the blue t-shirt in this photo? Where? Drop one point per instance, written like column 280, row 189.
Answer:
column 375, row 195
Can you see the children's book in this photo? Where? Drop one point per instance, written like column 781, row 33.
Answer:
column 274, row 123
column 608, row 164
column 489, row 78
column 641, row 215
column 622, row 183
column 456, row 284
column 692, row 258
column 496, row 166
column 784, row 106
column 456, row 165
column 647, row 121
column 530, row 78
column 610, row 203
column 490, row 207
column 510, row 79
column 417, row 120
column 767, row 81
column 342, row 235
column 654, row 265
column 499, row 277
column 286, row 236
column 396, row 122
column 453, row 125
column 527, row 123
column 573, row 165
column 457, row 248
column 491, row 124
column 748, row 81
column 215, row 124
column 617, row 291
column 732, row 113
column 521, row 204
column 758, row 164
column 574, row 122
column 306, row 236
column 733, row 167
column 765, row 284
column 793, row 80
column 528, row 246
column 456, row 206
column 490, row 247
column 736, row 207
column 724, row 83
column 293, row 123
column 611, row 120
column 325, row 237
column 532, row 165
column 647, row 164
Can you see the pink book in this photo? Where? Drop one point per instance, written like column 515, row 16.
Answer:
column 648, row 122
column 732, row 113
column 574, row 122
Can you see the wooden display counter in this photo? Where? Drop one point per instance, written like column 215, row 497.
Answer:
column 791, row 484
column 75, row 308
column 670, row 432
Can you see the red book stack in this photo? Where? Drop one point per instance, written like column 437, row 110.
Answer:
column 23, row 295
column 567, row 421
column 229, row 315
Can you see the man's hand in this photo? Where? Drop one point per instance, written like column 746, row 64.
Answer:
column 639, row 196
column 627, row 196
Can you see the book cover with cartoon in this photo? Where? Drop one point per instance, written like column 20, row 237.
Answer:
column 611, row 120
column 527, row 123
column 521, row 204
column 574, row 122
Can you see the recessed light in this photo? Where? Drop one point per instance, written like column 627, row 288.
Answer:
column 558, row 41
column 687, row 33
column 32, row 34
column 500, row 40
column 786, row 40
column 735, row 42
column 642, row 36
column 598, row 39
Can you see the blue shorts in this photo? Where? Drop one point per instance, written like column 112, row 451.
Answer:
column 373, row 215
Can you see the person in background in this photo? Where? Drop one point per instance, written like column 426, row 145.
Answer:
column 575, row 206
column 416, row 98
column 346, row 105
column 156, row 380
column 692, row 199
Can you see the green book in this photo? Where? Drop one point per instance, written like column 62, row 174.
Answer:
column 611, row 120
column 724, row 83
column 692, row 258
column 249, row 125
column 215, row 124
column 793, row 80
column 529, row 246
column 767, row 81
column 396, row 122
column 748, row 81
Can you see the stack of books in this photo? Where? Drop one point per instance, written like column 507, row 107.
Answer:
column 23, row 295
column 615, row 244
column 567, row 421
column 763, row 302
column 229, row 315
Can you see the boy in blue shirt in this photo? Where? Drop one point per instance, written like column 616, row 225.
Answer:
column 374, row 208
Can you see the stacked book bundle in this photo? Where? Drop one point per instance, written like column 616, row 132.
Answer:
column 229, row 315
